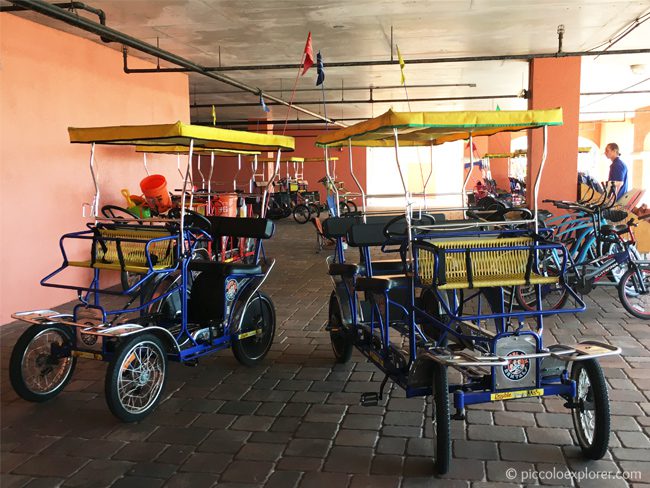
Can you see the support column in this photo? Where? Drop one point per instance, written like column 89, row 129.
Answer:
column 554, row 82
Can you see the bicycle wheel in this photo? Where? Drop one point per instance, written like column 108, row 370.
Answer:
column 554, row 295
column 41, row 364
column 352, row 207
column 258, row 328
column 301, row 214
column 135, row 377
column 630, row 291
column 314, row 210
column 590, row 413
column 441, row 420
column 339, row 337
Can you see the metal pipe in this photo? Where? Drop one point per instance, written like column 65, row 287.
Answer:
column 348, row 88
column 69, row 5
column 234, row 180
column 187, row 177
column 538, row 179
column 408, row 205
column 460, row 59
column 94, row 208
column 354, row 177
column 198, row 168
column 429, row 176
column 144, row 160
column 54, row 12
column 331, row 183
column 276, row 169
column 209, row 202
column 358, row 101
column 471, row 162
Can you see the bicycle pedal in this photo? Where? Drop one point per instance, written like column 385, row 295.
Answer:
column 369, row 399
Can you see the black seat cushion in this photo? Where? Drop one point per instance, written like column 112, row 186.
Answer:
column 344, row 269
column 241, row 227
column 336, row 227
column 224, row 269
column 380, row 285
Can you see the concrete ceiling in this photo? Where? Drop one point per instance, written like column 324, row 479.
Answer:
column 255, row 32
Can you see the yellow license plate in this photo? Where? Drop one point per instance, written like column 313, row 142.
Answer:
column 510, row 395
column 87, row 355
column 249, row 334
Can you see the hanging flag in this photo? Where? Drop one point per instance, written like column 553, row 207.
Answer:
column 401, row 64
column 320, row 69
column 498, row 108
column 309, row 55
column 214, row 116
column 264, row 106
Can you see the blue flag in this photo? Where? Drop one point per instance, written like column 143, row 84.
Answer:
column 264, row 106
column 320, row 69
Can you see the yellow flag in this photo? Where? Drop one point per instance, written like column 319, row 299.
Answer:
column 401, row 64
column 214, row 116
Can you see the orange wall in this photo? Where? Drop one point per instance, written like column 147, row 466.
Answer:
column 555, row 83
column 52, row 80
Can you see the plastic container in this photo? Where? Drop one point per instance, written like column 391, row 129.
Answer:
column 154, row 188
column 225, row 205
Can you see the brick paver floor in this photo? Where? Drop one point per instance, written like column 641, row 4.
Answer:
column 295, row 420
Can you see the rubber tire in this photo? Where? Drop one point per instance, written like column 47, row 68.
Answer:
column 598, row 447
column 352, row 207
column 344, row 208
column 441, row 420
column 113, row 371
column 342, row 343
column 15, row 363
column 314, row 210
column 239, row 346
column 629, row 274
column 301, row 214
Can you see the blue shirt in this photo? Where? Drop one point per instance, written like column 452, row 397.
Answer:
column 618, row 172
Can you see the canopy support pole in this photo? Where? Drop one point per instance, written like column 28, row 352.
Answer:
column 187, row 177
column 354, row 177
column 209, row 202
column 265, row 196
column 144, row 160
column 251, row 183
column 330, row 183
column 94, row 207
column 234, row 180
column 538, row 178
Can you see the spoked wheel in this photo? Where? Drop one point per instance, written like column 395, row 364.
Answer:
column 136, row 377
column 341, row 340
column 255, row 337
column 554, row 295
column 591, row 411
column 634, row 292
column 314, row 210
column 41, row 364
column 441, row 420
column 301, row 214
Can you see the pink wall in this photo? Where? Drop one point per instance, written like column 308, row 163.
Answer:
column 52, row 80
column 555, row 83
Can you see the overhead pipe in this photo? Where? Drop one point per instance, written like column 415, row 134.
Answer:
column 353, row 88
column 58, row 13
column 460, row 59
column 68, row 5
column 428, row 99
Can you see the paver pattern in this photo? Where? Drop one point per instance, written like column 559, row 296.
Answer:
column 295, row 421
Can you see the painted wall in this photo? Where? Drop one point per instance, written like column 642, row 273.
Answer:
column 52, row 80
column 555, row 83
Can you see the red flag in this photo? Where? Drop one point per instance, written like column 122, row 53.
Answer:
column 309, row 55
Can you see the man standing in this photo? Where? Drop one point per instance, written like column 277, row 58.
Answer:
column 617, row 170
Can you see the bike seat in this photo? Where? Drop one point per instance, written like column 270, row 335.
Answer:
column 383, row 284
column 225, row 269
column 344, row 269
column 613, row 229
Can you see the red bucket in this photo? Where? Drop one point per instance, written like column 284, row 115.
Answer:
column 225, row 205
column 154, row 188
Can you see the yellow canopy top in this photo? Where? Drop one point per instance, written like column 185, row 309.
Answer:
column 282, row 160
column 583, row 150
column 180, row 134
column 185, row 150
column 320, row 160
column 497, row 155
column 426, row 128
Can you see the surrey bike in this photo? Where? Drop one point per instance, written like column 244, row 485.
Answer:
column 414, row 324
column 180, row 308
